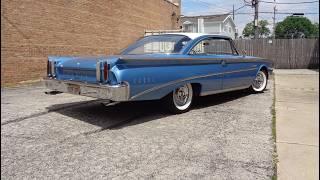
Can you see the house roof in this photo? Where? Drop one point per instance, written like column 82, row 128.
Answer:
column 219, row 17
column 207, row 18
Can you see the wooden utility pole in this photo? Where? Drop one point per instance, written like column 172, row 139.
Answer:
column 274, row 20
column 233, row 12
column 256, row 12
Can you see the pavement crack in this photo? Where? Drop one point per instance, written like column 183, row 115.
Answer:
column 23, row 118
column 302, row 144
column 47, row 111
column 23, row 137
column 296, row 102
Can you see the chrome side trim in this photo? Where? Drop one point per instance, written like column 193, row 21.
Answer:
column 223, row 90
column 98, row 71
column 186, row 79
column 119, row 92
column 186, row 60
column 241, row 70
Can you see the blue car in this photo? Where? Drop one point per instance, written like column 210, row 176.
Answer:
column 174, row 67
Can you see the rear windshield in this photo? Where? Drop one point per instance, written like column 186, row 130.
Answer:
column 158, row 44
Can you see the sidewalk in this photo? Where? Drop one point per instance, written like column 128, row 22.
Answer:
column 297, row 123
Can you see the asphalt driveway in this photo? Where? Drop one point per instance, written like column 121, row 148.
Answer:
column 226, row 136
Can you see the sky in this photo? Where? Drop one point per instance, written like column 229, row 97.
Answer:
column 211, row 7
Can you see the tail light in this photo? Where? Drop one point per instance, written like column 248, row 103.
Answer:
column 105, row 71
column 104, row 75
column 50, row 68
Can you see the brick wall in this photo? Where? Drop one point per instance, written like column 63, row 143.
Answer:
column 33, row 29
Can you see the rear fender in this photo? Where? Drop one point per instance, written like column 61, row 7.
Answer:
column 151, row 81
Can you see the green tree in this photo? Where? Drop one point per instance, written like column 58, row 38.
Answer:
column 264, row 31
column 296, row 27
column 316, row 30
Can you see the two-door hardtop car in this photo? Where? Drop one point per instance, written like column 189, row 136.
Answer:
column 173, row 67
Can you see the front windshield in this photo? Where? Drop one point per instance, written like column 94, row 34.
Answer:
column 159, row 44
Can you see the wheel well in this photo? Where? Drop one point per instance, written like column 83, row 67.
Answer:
column 196, row 87
column 263, row 68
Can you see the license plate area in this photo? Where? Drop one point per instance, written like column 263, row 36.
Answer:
column 74, row 89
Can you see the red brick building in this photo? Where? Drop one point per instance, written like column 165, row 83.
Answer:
column 33, row 29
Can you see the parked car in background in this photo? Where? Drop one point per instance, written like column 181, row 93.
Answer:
column 174, row 67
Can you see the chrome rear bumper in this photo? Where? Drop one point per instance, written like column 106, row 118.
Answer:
column 119, row 92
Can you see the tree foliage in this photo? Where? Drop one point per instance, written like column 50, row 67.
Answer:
column 264, row 31
column 316, row 31
column 296, row 27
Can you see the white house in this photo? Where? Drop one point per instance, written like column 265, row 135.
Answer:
column 213, row 24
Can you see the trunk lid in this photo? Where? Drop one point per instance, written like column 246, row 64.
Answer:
column 83, row 69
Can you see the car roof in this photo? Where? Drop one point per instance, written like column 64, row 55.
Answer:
column 196, row 35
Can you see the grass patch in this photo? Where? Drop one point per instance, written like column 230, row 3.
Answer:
column 274, row 132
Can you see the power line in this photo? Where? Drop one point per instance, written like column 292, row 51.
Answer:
column 211, row 4
column 234, row 10
column 304, row 2
column 240, row 8
column 278, row 13
column 247, row 3
column 229, row 12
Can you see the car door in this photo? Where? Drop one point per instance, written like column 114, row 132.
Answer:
column 233, row 71
column 238, row 71
column 213, row 82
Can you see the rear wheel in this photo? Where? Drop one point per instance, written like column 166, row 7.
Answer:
column 259, row 84
column 180, row 100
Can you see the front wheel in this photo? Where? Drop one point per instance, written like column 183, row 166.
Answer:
column 259, row 84
column 180, row 100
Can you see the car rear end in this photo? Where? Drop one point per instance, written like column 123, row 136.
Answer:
column 85, row 76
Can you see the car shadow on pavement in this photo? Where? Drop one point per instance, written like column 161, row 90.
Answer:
column 132, row 113
column 216, row 99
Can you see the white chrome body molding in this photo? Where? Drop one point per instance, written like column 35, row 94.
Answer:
column 187, row 79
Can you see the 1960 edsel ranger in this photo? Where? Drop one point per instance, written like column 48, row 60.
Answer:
column 173, row 67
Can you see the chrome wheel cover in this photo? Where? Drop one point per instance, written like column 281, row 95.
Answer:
column 182, row 97
column 260, row 82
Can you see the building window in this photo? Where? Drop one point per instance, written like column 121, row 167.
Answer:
column 188, row 28
column 229, row 29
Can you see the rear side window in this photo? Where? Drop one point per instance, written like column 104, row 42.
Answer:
column 213, row 46
column 158, row 44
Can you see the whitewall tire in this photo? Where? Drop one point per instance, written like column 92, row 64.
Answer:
column 259, row 84
column 180, row 100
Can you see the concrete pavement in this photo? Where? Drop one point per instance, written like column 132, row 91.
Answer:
column 297, row 123
column 224, row 136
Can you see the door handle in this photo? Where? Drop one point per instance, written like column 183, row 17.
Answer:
column 223, row 63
